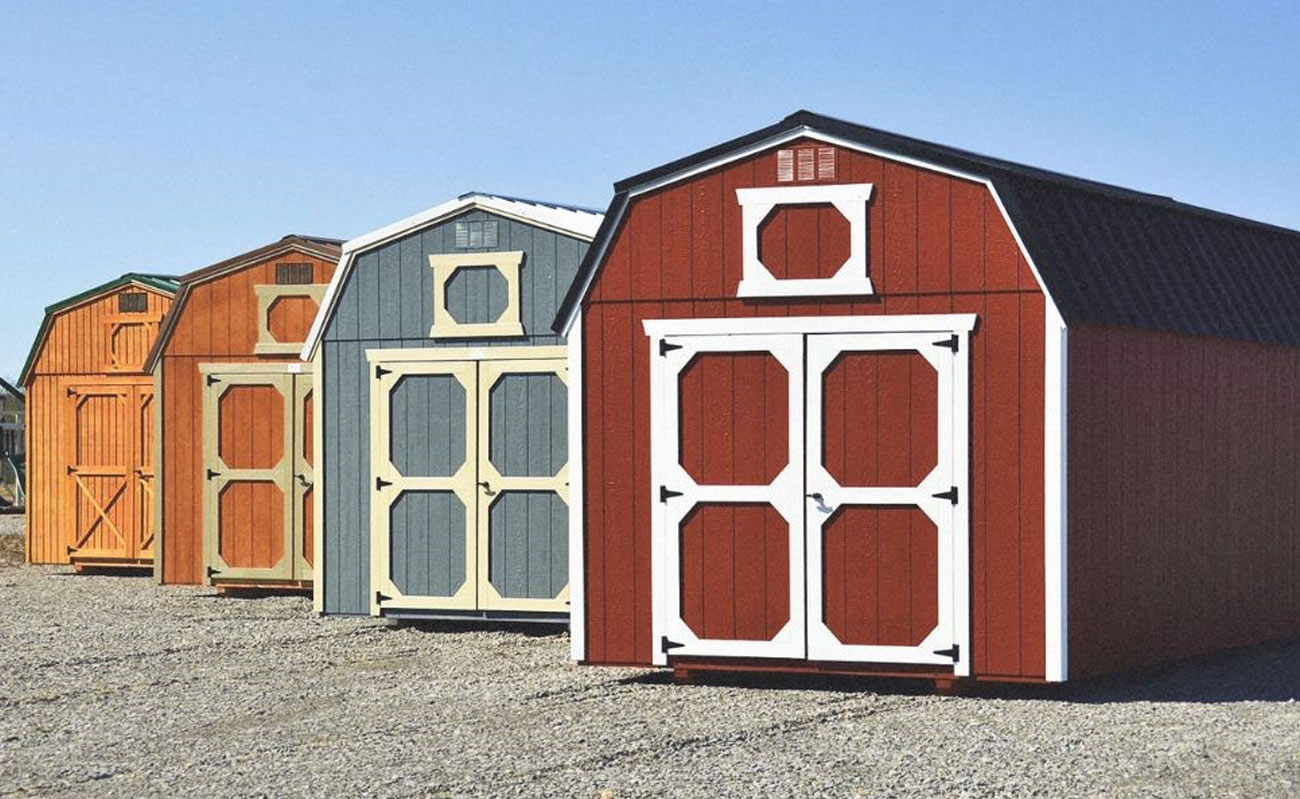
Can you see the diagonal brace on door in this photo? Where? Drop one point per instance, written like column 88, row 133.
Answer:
column 101, row 512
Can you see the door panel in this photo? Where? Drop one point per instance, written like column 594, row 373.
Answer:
column 886, row 560
column 101, row 471
column 735, row 572
column 304, row 475
column 143, row 472
column 523, row 485
column 423, row 506
column 727, row 465
column 248, row 450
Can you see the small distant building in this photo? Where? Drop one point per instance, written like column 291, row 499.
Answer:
column 12, row 406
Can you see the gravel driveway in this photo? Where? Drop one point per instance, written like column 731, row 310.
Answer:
column 114, row 686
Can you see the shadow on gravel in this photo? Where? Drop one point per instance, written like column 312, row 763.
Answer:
column 529, row 629
column 1264, row 673
column 105, row 571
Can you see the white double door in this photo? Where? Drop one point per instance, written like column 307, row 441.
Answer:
column 810, row 501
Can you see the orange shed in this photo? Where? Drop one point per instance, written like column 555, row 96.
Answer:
column 234, row 458
column 90, row 425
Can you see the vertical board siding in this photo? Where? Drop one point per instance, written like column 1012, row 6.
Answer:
column 217, row 324
column 936, row 244
column 76, row 353
column 1209, row 427
column 387, row 302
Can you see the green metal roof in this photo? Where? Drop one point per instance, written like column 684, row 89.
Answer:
column 167, row 284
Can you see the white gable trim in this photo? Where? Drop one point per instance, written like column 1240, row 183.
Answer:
column 566, row 221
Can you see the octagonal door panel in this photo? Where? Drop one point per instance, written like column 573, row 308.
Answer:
column 727, row 462
column 887, row 549
column 248, row 455
column 523, row 485
column 423, row 551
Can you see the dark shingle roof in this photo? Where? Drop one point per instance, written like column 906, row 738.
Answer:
column 1107, row 254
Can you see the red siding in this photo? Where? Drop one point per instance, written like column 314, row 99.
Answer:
column 1183, row 501
column 937, row 245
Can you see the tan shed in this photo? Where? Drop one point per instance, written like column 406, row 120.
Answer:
column 90, row 426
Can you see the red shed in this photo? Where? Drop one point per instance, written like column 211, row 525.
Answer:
column 853, row 402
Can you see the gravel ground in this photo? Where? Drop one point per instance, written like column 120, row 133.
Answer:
column 114, row 686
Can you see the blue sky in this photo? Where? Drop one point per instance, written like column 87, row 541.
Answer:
column 141, row 137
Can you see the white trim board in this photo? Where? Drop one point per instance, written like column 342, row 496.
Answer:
column 579, row 224
column 933, row 323
column 577, row 541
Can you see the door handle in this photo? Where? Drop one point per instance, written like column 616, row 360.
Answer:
column 821, row 504
column 487, row 488
column 302, row 478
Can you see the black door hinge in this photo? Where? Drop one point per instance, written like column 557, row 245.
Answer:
column 381, row 482
column 381, row 598
column 72, row 392
column 952, row 343
column 666, row 494
column 665, row 644
column 665, row 347
column 212, row 380
column 212, row 474
column 211, row 572
column 953, row 652
column 71, row 550
column 950, row 495
column 381, row 371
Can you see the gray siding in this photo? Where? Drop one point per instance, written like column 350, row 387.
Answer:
column 387, row 302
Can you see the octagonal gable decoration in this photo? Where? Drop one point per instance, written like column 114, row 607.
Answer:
column 271, row 295
column 850, row 199
column 445, row 268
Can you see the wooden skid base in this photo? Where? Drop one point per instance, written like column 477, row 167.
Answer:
column 90, row 565
column 237, row 588
column 689, row 671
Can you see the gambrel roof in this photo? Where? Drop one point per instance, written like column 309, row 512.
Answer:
column 570, row 220
column 326, row 249
column 1105, row 254
column 165, row 284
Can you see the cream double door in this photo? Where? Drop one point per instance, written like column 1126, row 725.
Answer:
column 257, row 474
column 469, row 480
column 809, row 492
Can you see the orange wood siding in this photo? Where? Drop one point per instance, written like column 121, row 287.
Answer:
column 79, row 351
column 936, row 245
column 1210, row 430
column 217, row 324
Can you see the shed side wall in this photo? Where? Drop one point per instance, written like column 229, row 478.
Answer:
column 218, row 324
column 387, row 302
column 1183, row 509
column 936, row 245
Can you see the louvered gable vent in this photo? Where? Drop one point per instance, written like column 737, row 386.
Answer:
column 802, row 164
column 476, row 234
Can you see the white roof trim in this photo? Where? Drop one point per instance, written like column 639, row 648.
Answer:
column 569, row 221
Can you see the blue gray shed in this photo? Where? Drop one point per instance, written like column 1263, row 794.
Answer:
column 443, row 484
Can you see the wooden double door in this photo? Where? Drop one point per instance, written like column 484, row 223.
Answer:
column 258, row 475
column 810, row 494
column 469, row 481
column 109, row 486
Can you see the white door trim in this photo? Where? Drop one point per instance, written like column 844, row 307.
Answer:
column 784, row 336
column 784, row 493
column 951, row 635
